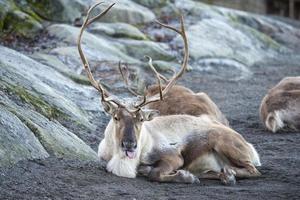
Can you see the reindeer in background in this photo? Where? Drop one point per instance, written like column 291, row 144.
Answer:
column 179, row 100
column 280, row 108
column 170, row 148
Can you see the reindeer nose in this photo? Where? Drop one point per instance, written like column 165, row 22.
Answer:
column 129, row 144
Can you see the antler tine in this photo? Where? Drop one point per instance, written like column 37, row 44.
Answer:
column 173, row 80
column 154, row 69
column 125, row 78
column 95, row 84
column 158, row 76
column 186, row 53
column 99, row 15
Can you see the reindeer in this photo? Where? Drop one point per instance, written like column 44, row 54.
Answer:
column 171, row 148
column 181, row 100
column 281, row 106
column 178, row 100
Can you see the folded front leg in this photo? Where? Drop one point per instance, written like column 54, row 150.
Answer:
column 167, row 169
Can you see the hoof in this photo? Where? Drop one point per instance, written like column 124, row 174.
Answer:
column 227, row 176
column 188, row 177
column 144, row 170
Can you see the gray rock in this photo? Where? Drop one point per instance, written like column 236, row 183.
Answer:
column 226, row 33
column 55, row 139
column 164, row 66
column 38, row 101
column 58, row 65
column 99, row 48
column 128, row 12
column 14, row 21
column 206, row 42
column 197, row 9
column 51, row 93
column 138, row 49
column 60, row 10
column 152, row 3
column 96, row 48
column 118, row 30
column 229, row 69
column 17, row 142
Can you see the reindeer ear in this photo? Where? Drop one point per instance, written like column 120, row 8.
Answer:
column 150, row 114
column 110, row 108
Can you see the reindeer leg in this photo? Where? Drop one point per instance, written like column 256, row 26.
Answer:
column 144, row 170
column 238, row 154
column 180, row 176
column 227, row 176
column 245, row 173
column 166, row 173
column 166, row 169
column 245, row 167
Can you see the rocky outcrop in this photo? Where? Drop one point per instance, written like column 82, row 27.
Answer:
column 226, row 33
column 117, row 30
column 43, row 100
column 128, row 12
column 18, row 19
column 17, row 141
column 60, row 10
column 152, row 3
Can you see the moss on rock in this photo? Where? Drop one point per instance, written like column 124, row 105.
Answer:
column 22, row 24
column 39, row 104
column 21, row 21
column 60, row 143
column 152, row 3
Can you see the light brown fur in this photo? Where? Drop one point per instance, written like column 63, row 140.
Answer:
column 280, row 108
column 181, row 100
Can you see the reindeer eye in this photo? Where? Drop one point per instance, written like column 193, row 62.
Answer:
column 142, row 119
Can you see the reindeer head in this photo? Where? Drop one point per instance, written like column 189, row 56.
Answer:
column 128, row 117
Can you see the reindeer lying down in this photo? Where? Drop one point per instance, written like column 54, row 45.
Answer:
column 175, row 148
column 170, row 148
column 280, row 108
column 181, row 100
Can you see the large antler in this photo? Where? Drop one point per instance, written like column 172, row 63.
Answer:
column 105, row 97
column 173, row 80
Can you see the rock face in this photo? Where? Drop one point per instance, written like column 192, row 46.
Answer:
column 117, row 30
column 152, row 3
column 35, row 94
column 47, row 106
column 17, row 141
column 206, row 42
column 225, row 33
column 60, row 10
column 19, row 20
column 128, row 12
column 97, row 47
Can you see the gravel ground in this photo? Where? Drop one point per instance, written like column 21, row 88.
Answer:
column 239, row 100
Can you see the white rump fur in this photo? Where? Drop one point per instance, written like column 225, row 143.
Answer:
column 274, row 121
column 161, row 131
column 255, row 157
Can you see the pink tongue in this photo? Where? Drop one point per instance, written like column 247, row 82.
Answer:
column 130, row 154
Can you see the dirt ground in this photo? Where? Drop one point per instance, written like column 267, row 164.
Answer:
column 239, row 100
